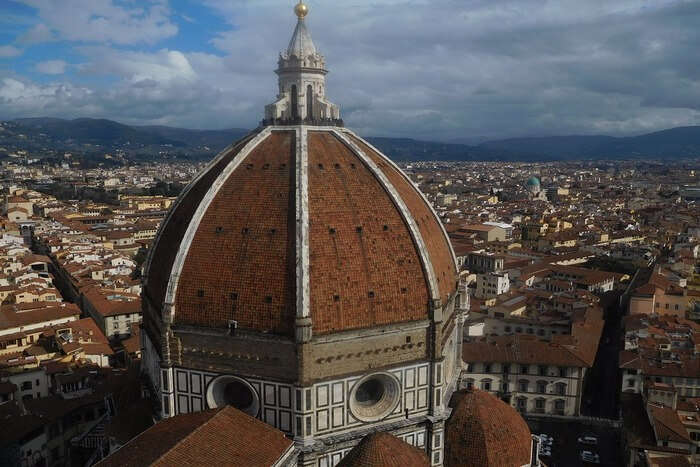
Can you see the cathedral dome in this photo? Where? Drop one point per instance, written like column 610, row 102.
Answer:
column 485, row 431
column 384, row 450
column 303, row 278
column 300, row 221
column 533, row 181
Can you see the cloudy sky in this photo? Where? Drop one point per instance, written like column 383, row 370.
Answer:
column 439, row 69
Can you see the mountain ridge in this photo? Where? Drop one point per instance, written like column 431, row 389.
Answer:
column 94, row 135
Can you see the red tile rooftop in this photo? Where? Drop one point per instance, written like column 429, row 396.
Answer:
column 205, row 439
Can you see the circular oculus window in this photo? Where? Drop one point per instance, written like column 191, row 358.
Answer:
column 234, row 391
column 374, row 397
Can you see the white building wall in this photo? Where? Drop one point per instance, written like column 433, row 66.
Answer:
column 491, row 285
column 509, row 385
column 30, row 383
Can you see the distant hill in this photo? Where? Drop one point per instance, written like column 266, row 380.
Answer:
column 672, row 143
column 406, row 149
column 96, row 136
column 92, row 131
column 216, row 139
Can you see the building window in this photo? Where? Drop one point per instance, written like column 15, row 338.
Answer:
column 561, row 389
column 486, row 385
column 309, row 102
column 506, row 368
column 523, row 385
column 524, row 369
column 487, row 368
column 539, row 405
column 542, row 370
column 542, row 387
column 559, row 406
column 522, row 404
column 295, row 102
column 563, row 373
column 375, row 397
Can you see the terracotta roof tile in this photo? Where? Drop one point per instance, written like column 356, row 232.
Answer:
column 384, row 450
column 437, row 245
column 667, row 425
column 365, row 269
column 485, row 431
column 165, row 248
column 245, row 237
column 223, row 436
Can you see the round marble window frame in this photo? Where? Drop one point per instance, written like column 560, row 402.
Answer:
column 222, row 381
column 390, row 398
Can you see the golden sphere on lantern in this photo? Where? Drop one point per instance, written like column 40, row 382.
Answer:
column 301, row 10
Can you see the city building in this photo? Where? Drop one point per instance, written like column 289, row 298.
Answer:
column 536, row 372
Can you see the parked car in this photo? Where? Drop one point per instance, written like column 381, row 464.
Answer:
column 588, row 456
column 588, row 439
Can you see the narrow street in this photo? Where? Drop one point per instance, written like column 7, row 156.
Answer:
column 600, row 393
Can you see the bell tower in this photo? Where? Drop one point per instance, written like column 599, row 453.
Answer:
column 302, row 82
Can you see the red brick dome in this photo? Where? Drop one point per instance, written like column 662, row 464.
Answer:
column 483, row 430
column 384, row 450
column 299, row 221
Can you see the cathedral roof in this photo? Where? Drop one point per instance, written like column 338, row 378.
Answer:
column 301, row 228
column 301, row 44
column 485, row 431
column 384, row 450
column 205, row 439
column 300, row 221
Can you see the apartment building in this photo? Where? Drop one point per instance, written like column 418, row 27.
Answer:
column 533, row 374
column 492, row 284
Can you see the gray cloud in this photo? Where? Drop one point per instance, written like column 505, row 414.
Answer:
column 433, row 70
column 51, row 67
column 146, row 21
